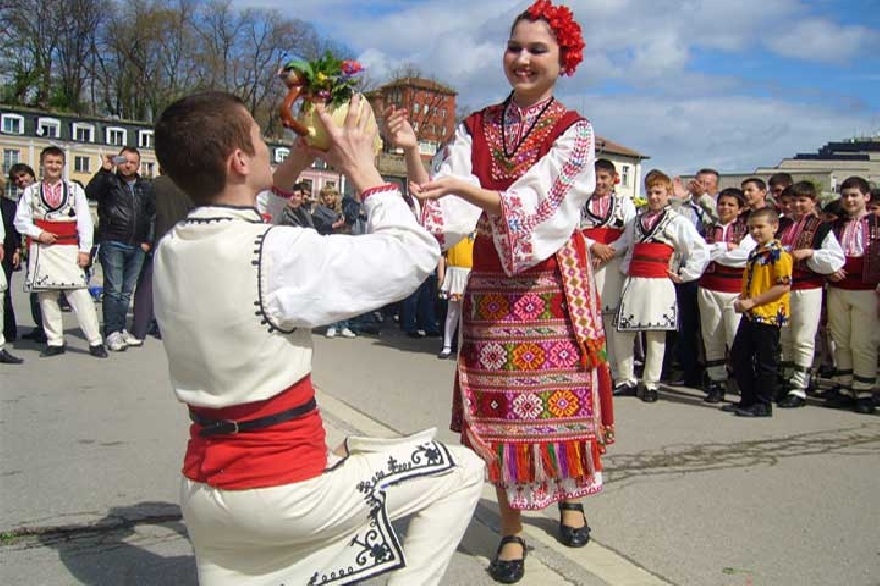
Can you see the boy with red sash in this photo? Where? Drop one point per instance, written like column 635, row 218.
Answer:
column 729, row 248
column 54, row 215
column 852, row 312
column 603, row 219
column 815, row 252
column 666, row 249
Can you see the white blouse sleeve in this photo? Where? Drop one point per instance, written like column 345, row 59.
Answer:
column 84, row 225
column 450, row 218
column 629, row 235
column 735, row 258
column 24, row 214
column 691, row 249
column 313, row 279
column 540, row 210
column 829, row 257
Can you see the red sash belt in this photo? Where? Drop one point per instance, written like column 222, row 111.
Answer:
column 65, row 232
column 722, row 279
column 291, row 451
column 650, row 260
column 802, row 280
column 603, row 235
column 854, row 267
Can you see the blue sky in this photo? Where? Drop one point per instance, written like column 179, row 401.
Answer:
column 733, row 84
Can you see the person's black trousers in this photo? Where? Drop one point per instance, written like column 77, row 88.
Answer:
column 755, row 359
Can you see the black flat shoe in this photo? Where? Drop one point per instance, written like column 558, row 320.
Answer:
column 755, row 411
column 837, row 400
column 52, row 351
column 508, row 571
column 98, row 351
column 791, row 402
column 624, row 390
column 734, row 407
column 649, row 395
column 573, row 536
column 865, row 406
column 716, row 392
column 7, row 358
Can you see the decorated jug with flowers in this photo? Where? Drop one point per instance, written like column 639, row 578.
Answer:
column 326, row 80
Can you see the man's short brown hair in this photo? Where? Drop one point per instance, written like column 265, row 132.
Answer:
column 195, row 137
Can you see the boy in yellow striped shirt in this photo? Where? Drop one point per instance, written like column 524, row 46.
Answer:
column 764, row 304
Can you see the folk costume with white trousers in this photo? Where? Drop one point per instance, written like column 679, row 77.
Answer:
column 661, row 241
column 720, row 286
column 798, row 340
column 852, row 306
column 263, row 501
column 532, row 393
column 603, row 220
column 61, row 209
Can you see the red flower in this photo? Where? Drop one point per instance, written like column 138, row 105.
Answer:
column 565, row 28
column 351, row 67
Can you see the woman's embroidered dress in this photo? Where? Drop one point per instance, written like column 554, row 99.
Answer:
column 532, row 365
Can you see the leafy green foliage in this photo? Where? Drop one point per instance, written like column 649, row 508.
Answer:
column 327, row 78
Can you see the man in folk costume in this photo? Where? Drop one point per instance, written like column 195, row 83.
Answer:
column 236, row 298
column 603, row 219
column 54, row 215
column 532, row 393
column 816, row 252
column 729, row 248
column 665, row 249
column 852, row 311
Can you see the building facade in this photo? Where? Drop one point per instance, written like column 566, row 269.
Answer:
column 24, row 132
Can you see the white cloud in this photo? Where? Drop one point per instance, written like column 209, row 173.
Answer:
column 678, row 115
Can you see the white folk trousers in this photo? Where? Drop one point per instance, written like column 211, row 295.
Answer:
column 82, row 304
column 718, row 325
column 655, row 347
column 852, row 319
column 799, row 338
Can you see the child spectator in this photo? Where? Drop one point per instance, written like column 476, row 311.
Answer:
column 456, row 269
column 648, row 302
column 815, row 252
column 852, row 315
column 764, row 303
column 720, row 285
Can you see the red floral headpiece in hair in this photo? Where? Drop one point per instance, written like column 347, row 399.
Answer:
column 565, row 28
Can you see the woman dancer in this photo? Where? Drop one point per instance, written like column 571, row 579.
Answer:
column 531, row 368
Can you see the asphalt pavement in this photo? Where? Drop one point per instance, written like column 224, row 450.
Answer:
column 90, row 453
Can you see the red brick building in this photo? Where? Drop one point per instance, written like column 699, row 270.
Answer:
column 431, row 107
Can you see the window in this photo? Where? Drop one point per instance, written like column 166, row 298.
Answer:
column 428, row 147
column 148, row 169
column 145, row 139
column 81, row 164
column 624, row 177
column 81, row 132
column 13, row 124
column 10, row 157
column 417, row 108
column 48, row 127
column 281, row 154
column 116, row 136
column 443, row 113
column 415, row 126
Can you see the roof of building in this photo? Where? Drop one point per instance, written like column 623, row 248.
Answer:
column 421, row 83
column 603, row 145
column 843, row 149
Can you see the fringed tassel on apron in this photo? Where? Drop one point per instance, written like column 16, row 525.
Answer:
column 530, row 463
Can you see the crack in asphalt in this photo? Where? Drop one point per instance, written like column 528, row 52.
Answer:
column 707, row 457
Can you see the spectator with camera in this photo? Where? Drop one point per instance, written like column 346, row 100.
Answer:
column 126, row 212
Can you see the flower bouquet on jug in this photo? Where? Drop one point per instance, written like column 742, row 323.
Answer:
column 326, row 80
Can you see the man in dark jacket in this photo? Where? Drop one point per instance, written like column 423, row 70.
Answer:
column 126, row 211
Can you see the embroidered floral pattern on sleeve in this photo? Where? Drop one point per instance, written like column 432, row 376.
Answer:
column 512, row 229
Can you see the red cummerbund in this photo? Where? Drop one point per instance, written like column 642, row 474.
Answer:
column 292, row 451
column 722, row 279
column 66, row 232
column 854, row 266
column 801, row 280
column 603, row 235
column 650, row 260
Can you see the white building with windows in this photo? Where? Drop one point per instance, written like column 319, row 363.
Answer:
column 628, row 164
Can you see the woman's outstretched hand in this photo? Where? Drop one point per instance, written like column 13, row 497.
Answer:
column 400, row 132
